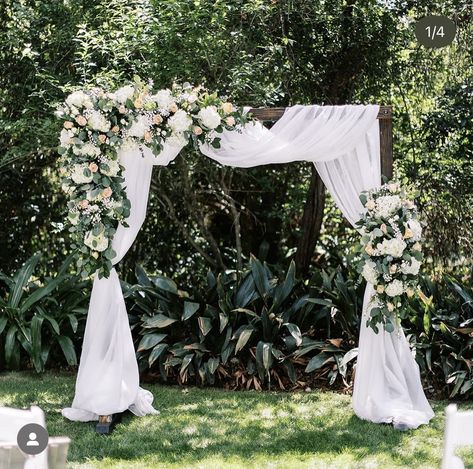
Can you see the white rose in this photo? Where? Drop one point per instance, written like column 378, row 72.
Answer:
column 209, row 117
column 123, row 94
column 113, row 168
column 370, row 273
column 394, row 288
column 139, row 127
column 78, row 176
column 416, row 229
column 180, row 121
column 65, row 138
column 97, row 121
column 100, row 240
column 411, row 268
column 391, row 247
column 387, row 205
column 164, row 99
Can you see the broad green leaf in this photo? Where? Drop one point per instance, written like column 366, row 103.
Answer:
column 74, row 322
column 10, row 344
column 186, row 361
column 156, row 352
column 160, row 321
column 3, row 323
column 142, row 276
column 165, row 284
column 243, row 338
column 260, row 277
column 212, row 365
column 295, row 332
column 319, row 361
column 36, row 323
column 150, row 340
column 21, row 279
column 223, row 321
column 205, row 325
column 190, row 308
column 263, row 358
column 284, row 290
column 67, row 349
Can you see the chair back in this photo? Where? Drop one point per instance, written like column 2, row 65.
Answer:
column 458, row 432
column 11, row 421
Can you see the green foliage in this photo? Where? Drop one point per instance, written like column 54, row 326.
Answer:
column 443, row 335
column 259, row 53
column 245, row 330
column 40, row 320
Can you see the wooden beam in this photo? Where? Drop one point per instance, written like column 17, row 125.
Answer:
column 275, row 113
column 385, row 132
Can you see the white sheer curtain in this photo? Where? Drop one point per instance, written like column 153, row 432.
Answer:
column 343, row 143
column 108, row 379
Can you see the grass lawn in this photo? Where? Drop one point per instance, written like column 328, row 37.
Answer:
column 211, row 428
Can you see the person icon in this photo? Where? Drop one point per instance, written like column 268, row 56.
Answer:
column 32, row 440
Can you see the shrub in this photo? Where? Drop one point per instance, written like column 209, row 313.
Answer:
column 247, row 329
column 39, row 320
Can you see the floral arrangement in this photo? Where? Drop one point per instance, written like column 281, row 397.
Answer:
column 391, row 253
column 97, row 123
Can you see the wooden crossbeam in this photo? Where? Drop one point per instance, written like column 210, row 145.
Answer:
column 385, row 132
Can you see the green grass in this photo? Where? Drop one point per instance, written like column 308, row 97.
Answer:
column 211, row 428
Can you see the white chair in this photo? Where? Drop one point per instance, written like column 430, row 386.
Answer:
column 11, row 421
column 11, row 457
column 458, row 432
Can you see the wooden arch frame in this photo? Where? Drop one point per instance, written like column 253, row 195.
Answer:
column 271, row 114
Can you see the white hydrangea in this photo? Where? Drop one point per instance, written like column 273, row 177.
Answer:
column 164, row 99
column 387, row 205
column 97, row 121
column 100, row 239
column 209, row 117
column 180, row 121
column 411, row 268
column 113, row 168
column 177, row 140
column 123, row 94
column 370, row 273
column 65, row 138
column 87, row 149
column 394, row 288
column 416, row 229
column 79, row 99
column 391, row 247
column 139, row 127
column 78, row 176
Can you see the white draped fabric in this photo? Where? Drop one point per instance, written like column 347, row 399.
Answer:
column 343, row 143
column 108, row 379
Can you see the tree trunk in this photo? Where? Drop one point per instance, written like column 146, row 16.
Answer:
column 311, row 223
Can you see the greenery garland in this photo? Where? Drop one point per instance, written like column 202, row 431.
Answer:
column 391, row 253
column 96, row 124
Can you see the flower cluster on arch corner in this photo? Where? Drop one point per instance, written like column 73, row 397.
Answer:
column 97, row 123
column 391, row 252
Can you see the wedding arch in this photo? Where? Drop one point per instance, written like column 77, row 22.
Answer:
column 351, row 147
